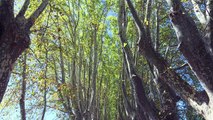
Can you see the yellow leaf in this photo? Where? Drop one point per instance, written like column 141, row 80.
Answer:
column 125, row 44
column 55, row 95
column 146, row 22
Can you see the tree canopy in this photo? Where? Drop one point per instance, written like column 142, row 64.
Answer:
column 106, row 59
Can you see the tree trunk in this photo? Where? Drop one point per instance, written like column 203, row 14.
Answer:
column 23, row 90
column 197, row 50
column 14, row 37
column 12, row 44
column 45, row 83
column 144, row 110
column 192, row 45
column 192, row 48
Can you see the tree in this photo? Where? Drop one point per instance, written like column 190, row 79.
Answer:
column 144, row 108
column 195, row 49
column 23, row 92
column 95, row 59
column 14, row 36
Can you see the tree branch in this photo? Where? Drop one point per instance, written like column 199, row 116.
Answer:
column 199, row 14
column 143, row 105
column 136, row 18
column 23, row 9
column 36, row 14
column 128, row 108
column 209, row 28
column 181, row 67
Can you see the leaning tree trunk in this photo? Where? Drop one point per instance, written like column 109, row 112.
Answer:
column 199, row 60
column 192, row 45
column 14, row 37
column 196, row 49
column 168, row 97
column 144, row 110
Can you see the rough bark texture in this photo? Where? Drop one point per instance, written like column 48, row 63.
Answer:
column 167, row 96
column 166, row 73
column 13, row 41
column 192, row 47
column 144, row 109
column 14, row 37
column 196, row 49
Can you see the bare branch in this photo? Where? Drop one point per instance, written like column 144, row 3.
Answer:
column 181, row 67
column 199, row 14
column 36, row 14
column 174, row 4
column 23, row 9
column 136, row 18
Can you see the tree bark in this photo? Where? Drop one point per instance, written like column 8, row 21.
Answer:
column 23, row 90
column 14, row 37
column 193, row 49
column 196, row 49
column 143, row 105
column 192, row 45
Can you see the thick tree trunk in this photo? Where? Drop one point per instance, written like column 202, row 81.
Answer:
column 166, row 73
column 12, row 44
column 196, row 49
column 167, row 96
column 14, row 37
column 192, row 46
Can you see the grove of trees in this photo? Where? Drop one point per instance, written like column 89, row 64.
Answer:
column 106, row 59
